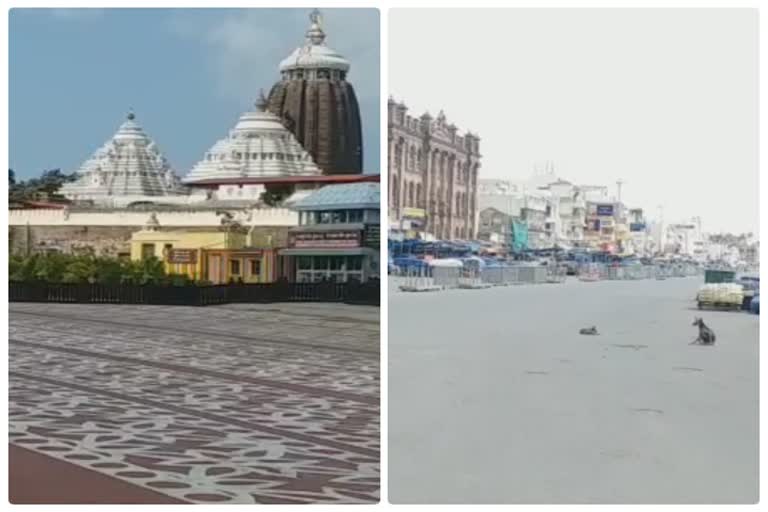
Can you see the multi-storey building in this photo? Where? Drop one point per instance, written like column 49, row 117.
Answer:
column 553, row 209
column 433, row 169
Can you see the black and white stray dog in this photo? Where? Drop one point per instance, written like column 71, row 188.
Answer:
column 589, row 331
column 706, row 335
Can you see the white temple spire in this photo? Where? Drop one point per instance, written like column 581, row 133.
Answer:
column 262, row 102
column 129, row 164
column 315, row 34
column 314, row 55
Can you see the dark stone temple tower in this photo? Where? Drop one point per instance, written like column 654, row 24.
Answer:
column 318, row 105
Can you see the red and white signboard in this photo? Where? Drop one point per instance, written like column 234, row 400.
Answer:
column 329, row 239
column 182, row 256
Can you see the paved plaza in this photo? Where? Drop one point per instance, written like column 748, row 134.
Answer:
column 495, row 398
column 243, row 403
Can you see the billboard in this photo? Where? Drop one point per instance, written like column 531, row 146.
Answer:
column 637, row 226
column 605, row 210
column 519, row 240
column 414, row 213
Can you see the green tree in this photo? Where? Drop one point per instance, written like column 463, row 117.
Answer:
column 146, row 271
column 45, row 187
column 86, row 267
column 276, row 194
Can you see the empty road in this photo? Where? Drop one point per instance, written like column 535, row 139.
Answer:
column 494, row 397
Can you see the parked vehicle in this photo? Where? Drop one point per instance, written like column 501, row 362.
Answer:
column 754, row 305
column 720, row 296
column 719, row 276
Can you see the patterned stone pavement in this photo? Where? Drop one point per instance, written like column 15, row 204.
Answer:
column 235, row 404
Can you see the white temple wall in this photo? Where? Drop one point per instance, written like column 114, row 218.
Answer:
column 55, row 217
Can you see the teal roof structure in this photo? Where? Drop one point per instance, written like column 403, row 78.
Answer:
column 341, row 197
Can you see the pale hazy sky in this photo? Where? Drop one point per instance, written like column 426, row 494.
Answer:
column 664, row 99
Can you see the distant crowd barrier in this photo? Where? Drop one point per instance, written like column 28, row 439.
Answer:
column 504, row 275
column 367, row 293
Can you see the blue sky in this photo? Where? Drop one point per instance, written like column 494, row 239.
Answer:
column 187, row 73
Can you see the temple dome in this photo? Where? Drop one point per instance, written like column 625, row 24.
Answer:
column 316, row 103
column 259, row 146
column 129, row 164
column 315, row 54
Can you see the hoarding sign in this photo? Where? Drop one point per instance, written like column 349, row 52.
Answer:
column 637, row 226
column 414, row 213
column 182, row 256
column 372, row 235
column 325, row 239
column 519, row 236
column 605, row 210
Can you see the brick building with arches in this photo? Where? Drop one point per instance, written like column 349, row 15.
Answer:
column 434, row 169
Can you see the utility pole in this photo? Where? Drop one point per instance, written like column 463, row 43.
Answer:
column 619, row 183
column 661, row 228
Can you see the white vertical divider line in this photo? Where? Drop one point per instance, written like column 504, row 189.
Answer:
column 384, row 187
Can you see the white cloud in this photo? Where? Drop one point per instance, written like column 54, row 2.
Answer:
column 77, row 14
column 246, row 45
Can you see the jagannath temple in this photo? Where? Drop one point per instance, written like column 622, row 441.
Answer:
column 127, row 200
column 308, row 129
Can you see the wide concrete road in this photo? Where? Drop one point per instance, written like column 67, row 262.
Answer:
column 225, row 404
column 494, row 397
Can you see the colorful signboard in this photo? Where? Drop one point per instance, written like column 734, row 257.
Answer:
column 519, row 240
column 605, row 210
column 414, row 213
column 325, row 239
column 182, row 255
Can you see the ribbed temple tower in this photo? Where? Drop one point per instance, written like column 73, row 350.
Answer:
column 259, row 146
column 128, row 164
column 317, row 104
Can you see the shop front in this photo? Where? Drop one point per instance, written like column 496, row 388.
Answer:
column 338, row 237
column 216, row 256
column 331, row 255
column 245, row 265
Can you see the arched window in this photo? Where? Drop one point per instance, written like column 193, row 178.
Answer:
column 395, row 190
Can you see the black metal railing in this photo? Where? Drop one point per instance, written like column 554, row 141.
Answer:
column 367, row 293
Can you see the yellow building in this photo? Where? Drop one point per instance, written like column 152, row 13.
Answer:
column 216, row 256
